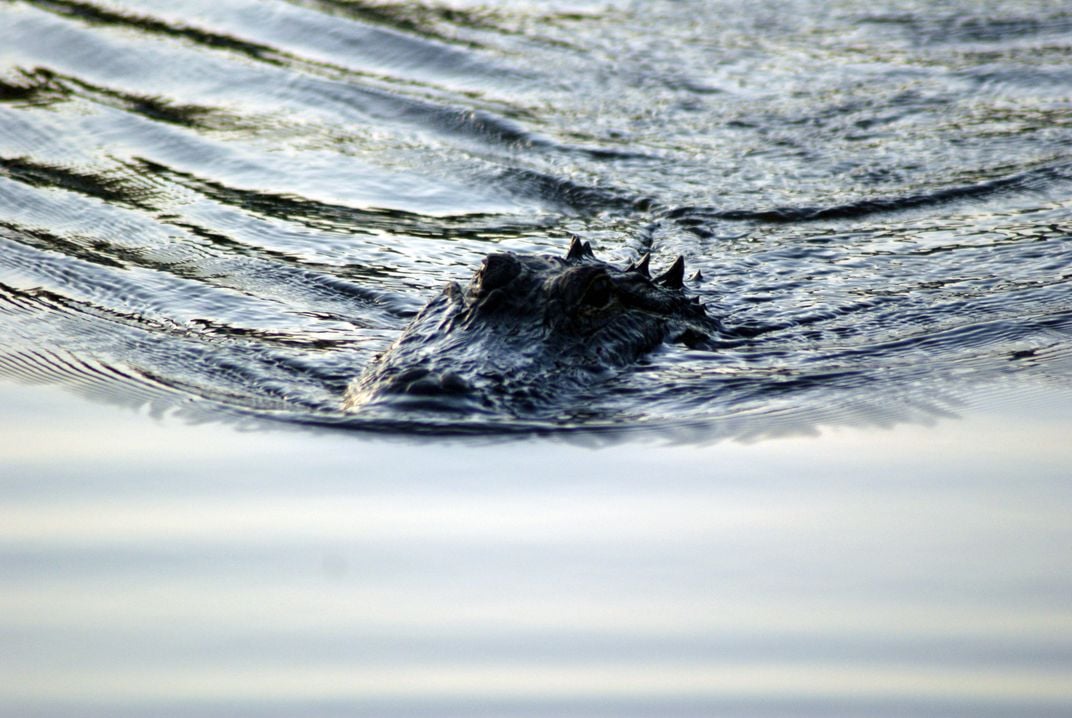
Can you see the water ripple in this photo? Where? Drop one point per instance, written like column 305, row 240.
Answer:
column 239, row 205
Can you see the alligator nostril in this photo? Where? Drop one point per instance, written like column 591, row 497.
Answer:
column 498, row 270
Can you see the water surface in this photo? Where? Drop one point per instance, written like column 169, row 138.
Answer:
column 232, row 207
column 213, row 215
column 154, row 568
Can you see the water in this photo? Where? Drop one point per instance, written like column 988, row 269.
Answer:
column 231, row 207
column 153, row 568
column 215, row 214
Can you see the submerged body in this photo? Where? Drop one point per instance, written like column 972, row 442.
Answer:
column 529, row 331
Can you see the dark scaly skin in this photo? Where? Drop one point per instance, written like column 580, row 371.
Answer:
column 528, row 332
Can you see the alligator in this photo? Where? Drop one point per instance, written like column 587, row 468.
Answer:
column 530, row 330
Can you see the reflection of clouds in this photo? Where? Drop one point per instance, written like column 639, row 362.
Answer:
column 536, row 686
column 466, row 521
column 159, row 562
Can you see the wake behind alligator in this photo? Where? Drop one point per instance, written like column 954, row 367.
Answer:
column 236, row 209
column 529, row 332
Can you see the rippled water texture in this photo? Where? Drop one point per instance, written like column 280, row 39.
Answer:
column 230, row 207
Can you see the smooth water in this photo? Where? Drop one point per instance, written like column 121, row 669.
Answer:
column 161, row 570
column 213, row 215
column 231, row 207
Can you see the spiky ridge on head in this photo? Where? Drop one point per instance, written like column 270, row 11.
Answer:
column 537, row 326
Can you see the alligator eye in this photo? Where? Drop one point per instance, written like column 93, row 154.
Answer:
column 599, row 293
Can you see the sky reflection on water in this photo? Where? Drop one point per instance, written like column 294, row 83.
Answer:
column 152, row 567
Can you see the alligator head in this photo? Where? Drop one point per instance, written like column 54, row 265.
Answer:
column 530, row 330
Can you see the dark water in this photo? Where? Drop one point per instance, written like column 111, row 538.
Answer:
column 228, row 208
